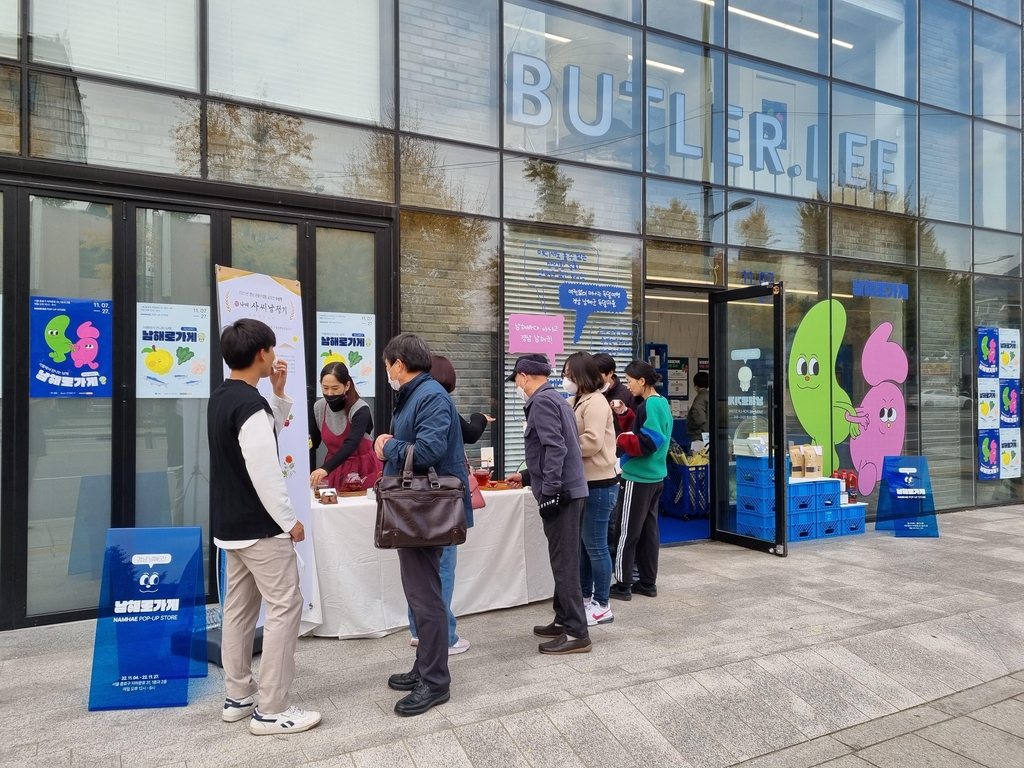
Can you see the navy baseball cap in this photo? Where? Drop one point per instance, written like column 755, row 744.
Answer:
column 534, row 365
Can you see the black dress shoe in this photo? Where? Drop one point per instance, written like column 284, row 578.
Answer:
column 562, row 645
column 549, row 630
column 620, row 592
column 403, row 681
column 650, row 590
column 420, row 700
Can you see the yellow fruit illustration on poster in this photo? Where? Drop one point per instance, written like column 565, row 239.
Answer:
column 985, row 407
column 332, row 357
column 1006, row 458
column 159, row 361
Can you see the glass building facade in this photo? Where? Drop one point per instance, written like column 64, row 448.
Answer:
column 451, row 165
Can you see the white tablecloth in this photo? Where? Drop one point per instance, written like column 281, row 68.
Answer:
column 503, row 563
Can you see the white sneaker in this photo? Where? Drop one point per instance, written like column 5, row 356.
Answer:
column 587, row 602
column 414, row 642
column 292, row 720
column 461, row 646
column 235, row 710
column 599, row 614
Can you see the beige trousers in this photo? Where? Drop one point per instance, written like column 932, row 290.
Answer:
column 265, row 571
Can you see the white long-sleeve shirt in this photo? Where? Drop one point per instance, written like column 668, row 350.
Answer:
column 258, row 441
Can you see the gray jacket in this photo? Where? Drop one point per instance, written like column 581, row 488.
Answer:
column 697, row 416
column 554, row 463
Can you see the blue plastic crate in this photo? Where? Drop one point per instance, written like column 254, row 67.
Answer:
column 800, row 497
column 755, row 504
column 755, row 470
column 828, row 514
column 803, row 531
column 829, row 528
column 828, row 494
column 763, row 532
column 802, row 518
column 687, row 492
column 853, row 519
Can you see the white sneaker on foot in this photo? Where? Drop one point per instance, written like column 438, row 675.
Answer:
column 461, row 646
column 599, row 614
column 414, row 642
column 292, row 720
column 235, row 710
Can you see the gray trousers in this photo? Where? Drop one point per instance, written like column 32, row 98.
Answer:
column 421, row 580
column 563, row 533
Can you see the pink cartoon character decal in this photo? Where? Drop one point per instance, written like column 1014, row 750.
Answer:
column 86, row 348
column 882, row 412
column 992, row 351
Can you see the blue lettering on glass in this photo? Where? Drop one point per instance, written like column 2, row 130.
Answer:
column 571, row 104
column 677, row 116
column 881, row 165
column 876, row 289
column 848, row 159
column 765, row 139
column 521, row 92
column 812, row 153
column 732, row 135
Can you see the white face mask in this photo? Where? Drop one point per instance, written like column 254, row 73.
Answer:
column 395, row 384
column 570, row 386
column 521, row 392
column 606, row 387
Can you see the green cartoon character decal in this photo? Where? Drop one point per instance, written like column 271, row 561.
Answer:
column 820, row 403
column 57, row 339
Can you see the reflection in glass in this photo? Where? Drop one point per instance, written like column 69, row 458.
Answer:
column 88, row 122
column 10, row 110
column 946, row 246
column 777, row 131
column 450, row 93
column 996, row 178
column 876, row 46
column 272, row 149
column 946, row 55
column 793, row 32
column 627, row 10
column 996, row 70
column 685, row 211
column 133, row 39
column 69, row 439
column 945, row 166
column 996, row 253
column 450, row 270
column 996, row 304
column 264, row 246
column 684, row 100
column 946, row 404
column 172, row 453
column 541, row 190
column 449, row 177
column 572, row 87
column 757, row 221
column 327, row 58
column 10, row 26
column 1008, row 9
column 684, row 263
column 699, row 20
column 862, row 235
column 874, row 151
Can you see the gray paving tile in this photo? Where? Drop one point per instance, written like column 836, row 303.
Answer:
column 392, row 755
column 1006, row 716
column 911, row 751
column 978, row 741
column 805, row 755
column 540, row 741
column 867, row 702
column 635, row 732
column 871, row 677
column 980, row 696
column 824, row 700
column 783, row 700
column 489, row 745
column 889, row 727
column 440, row 749
column 338, row 761
column 846, row 761
column 587, row 735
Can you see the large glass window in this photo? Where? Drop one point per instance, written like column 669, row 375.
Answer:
column 684, row 264
column 82, row 121
column 700, row 20
column 10, row 110
column 134, row 39
column 946, row 246
column 449, row 176
column 684, row 103
column 945, row 174
column 628, row 10
column 10, row 26
column 329, row 58
column 69, row 438
column 863, row 235
column 777, row 131
column 946, row 55
column 572, row 86
column 875, row 46
column 270, row 247
column 1008, row 9
column 996, row 178
column 685, row 211
column 996, row 70
column 172, row 452
column 450, row 88
column 758, row 221
column 273, row 149
column 996, row 253
column 793, row 32
column 450, row 270
column 541, row 190
column 945, row 405
column 874, row 151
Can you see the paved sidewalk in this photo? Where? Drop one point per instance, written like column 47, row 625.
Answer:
column 742, row 655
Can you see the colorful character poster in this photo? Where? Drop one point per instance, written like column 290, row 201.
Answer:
column 349, row 338
column 988, row 454
column 988, row 403
column 1009, row 454
column 1009, row 353
column 988, row 346
column 70, row 347
column 173, row 351
column 1009, row 403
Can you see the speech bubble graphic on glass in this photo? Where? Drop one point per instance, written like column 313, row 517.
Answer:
column 587, row 298
column 537, row 333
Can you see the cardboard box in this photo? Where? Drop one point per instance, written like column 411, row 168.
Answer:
column 813, row 460
column 796, row 461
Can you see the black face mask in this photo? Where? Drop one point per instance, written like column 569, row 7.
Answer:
column 335, row 402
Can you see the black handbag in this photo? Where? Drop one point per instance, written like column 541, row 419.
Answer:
column 419, row 510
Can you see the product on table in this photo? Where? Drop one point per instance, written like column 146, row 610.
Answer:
column 813, row 460
column 796, row 461
column 483, row 477
column 352, row 482
column 852, row 487
column 328, row 496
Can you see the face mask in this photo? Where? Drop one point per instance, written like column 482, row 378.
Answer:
column 606, row 387
column 395, row 384
column 570, row 386
column 335, row 402
column 521, row 392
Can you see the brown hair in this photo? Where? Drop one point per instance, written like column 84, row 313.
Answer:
column 584, row 372
column 443, row 372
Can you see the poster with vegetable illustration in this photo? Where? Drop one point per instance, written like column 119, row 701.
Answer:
column 1009, row 403
column 988, row 454
column 1009, row 454
column 988, row 403
column 349, row 338
column 1009, row 353
column 172, row 351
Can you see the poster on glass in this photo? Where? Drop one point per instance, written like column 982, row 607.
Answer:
column 70, row 347
column 347, row 337
column 173, row 351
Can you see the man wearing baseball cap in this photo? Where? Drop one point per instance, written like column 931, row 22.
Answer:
column 554, row 472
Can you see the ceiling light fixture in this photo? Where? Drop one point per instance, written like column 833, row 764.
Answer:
column 662, row 65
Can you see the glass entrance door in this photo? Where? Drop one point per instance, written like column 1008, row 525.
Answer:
column 748, row 440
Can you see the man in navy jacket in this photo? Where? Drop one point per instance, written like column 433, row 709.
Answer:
column 425, row 417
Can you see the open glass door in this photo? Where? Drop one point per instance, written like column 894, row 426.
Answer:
column 748, row 440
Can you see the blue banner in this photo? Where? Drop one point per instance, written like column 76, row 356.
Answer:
column 988, row 348
column 70, row 347
column 905, row 501
column 988, row 454
column 151, row 630
column 1009, row 403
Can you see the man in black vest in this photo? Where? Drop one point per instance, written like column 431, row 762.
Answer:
column 255, row 526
